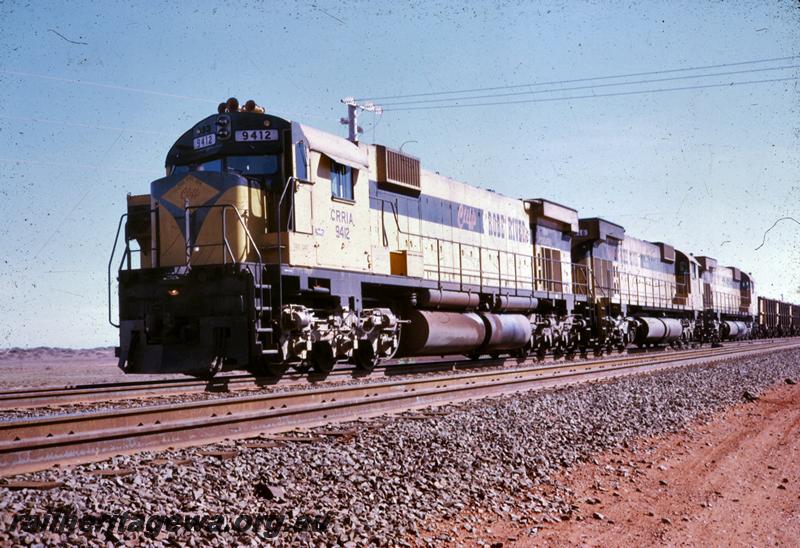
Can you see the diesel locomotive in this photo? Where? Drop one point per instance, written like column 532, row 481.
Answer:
column 270, row 244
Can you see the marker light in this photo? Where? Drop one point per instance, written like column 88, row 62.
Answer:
column 174, row 292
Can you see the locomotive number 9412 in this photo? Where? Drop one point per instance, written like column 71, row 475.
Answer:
column 256, row 135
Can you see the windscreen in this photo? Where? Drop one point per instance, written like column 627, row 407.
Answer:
column 245, row 165
column 253, row 165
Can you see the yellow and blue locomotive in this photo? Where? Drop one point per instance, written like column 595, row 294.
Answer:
column 270, row 243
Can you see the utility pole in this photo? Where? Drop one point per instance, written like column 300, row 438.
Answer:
column 351, row 121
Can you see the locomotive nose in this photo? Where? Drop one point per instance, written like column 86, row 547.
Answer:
column 203, row 217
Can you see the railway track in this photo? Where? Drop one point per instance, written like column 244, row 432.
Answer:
column 26, row 398
column 56, row 396
column 39, row 443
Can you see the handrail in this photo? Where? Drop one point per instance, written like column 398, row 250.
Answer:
column 258, row 275
column 590, row 284
column 240, row 218
column 111, row 261
column 291, row 217
column 226, row 250
column 289, row 182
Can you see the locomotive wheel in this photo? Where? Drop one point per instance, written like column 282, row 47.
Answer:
column 321, row 357
column 541, row 353
column 213, row 368
column 521, row 354
column 597, row 351
column 301, row 367
column 364, row 357
column 216, row 365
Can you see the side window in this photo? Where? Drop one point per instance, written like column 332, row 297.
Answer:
column 341, row 181
column 301, row 161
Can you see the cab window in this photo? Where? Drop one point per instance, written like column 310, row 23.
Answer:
column 253, row 165
column 244, row 165
column 341, row 181
column 213, row 165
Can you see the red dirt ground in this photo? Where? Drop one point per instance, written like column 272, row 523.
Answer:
column 734, row 481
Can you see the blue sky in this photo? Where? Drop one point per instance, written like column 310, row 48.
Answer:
column 82, row 124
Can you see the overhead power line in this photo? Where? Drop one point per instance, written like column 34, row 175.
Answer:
column 597, row 95
column 83, row 126
column 590, row 86
column 107, row 86
column 71, row 164
column 576, row 80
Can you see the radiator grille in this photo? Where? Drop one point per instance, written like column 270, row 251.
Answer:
column 396, row 168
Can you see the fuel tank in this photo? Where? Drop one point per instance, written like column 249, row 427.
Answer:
column 506, row 331
column 657, row 330
column 733, row 330
column 434, row 333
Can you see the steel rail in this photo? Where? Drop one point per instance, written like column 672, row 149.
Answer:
column 36, row 444
column 52, row 396
column 31, row 397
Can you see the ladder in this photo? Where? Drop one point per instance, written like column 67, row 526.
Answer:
column 262, row 307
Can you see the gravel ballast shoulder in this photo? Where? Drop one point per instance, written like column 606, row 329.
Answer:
column 384, row 481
